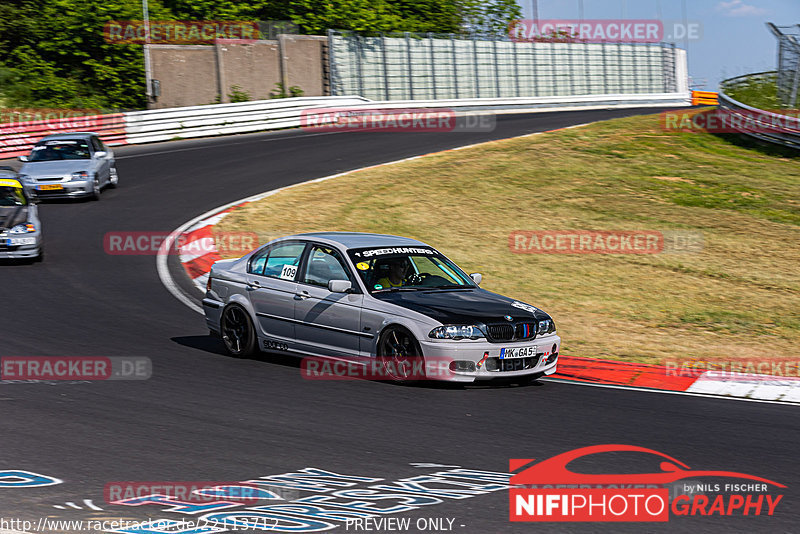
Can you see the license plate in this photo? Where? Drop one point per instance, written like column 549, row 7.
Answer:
column 518, row 352
column 49, row 187
column 17, row 241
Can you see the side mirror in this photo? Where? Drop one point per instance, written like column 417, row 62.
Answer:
column 339, row 286
column 476, row 277
column 100, row 154
column 23, row 158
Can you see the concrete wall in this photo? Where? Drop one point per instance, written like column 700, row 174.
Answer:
column 196, row 74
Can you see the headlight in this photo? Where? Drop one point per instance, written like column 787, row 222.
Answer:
column 546, row 327
column 82, row 175
column 456, row 332
column 23, row 229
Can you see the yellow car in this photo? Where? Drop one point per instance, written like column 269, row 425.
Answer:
column 20, row 228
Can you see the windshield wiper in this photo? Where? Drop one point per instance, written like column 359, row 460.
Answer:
column 393, row 289
column 451, row 286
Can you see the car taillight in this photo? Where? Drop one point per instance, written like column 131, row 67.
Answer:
column 208, row 284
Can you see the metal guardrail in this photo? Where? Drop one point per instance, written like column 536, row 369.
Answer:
column 223, row 119
column 150, row 126
column 757, row 123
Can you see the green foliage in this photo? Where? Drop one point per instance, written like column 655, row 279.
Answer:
column 237, row 95
column 756, row 91
column 280, row 91
column 53, row 54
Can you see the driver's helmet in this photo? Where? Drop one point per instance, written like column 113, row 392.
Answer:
column 384, row 267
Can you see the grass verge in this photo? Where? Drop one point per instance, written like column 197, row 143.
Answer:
column 736, row 298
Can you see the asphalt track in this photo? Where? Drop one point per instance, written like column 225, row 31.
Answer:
column 206, row 417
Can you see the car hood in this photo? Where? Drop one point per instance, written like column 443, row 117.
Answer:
column 11, row 216
column 56, row 168
column 463, row 306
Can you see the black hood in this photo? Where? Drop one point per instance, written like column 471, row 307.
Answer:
column 11, row 216
column 463, row 306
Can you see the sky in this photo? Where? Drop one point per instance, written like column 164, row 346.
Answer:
column 735, row 39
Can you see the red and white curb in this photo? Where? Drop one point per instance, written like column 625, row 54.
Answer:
column 198, row 253
column 625, row 375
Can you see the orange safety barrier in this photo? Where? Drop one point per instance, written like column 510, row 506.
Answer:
column 704, row 98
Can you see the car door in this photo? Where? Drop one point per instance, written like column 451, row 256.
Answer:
column 327, row 323
column 271, row 288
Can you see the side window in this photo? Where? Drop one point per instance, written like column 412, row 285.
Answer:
column 282, row 260
column 96, row 146
column 257, row 261
column 324, row 264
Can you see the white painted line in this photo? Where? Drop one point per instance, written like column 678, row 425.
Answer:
column 91, row 505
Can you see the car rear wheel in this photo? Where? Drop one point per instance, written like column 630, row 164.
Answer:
column 400, row 355
column 113, row 177
column 238, row 333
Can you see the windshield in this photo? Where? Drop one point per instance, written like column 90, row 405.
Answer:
column 407, row 269
column 11, row 196
column 60, row 149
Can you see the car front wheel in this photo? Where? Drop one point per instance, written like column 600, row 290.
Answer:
column 95, row 195
column 113, row 177
column 400, row 356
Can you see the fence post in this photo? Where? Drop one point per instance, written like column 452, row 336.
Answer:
column 475, row 62
column 385, row 67
column 455, row 63
column 331, row 66
column 433, row 65
column 410, row 76
column 516, row 67
column 359, row 68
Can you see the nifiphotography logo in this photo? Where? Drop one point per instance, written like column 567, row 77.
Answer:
column 548, row 491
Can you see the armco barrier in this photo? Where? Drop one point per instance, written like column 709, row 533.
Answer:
column 222, row 119
column 18, row 139
column 138, row 127
column 757, row 123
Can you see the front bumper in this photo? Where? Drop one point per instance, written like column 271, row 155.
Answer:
column 72, row 189
column 485, row 357
column 20, row 251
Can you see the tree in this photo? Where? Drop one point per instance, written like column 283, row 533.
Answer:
column 53, row 53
